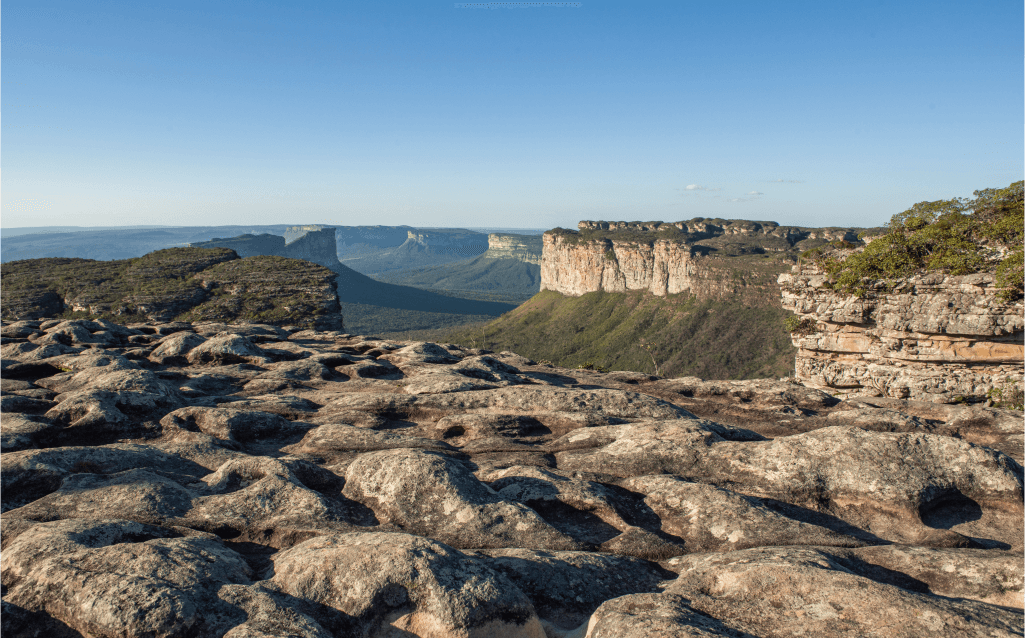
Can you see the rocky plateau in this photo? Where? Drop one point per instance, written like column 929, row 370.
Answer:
column 177, row 479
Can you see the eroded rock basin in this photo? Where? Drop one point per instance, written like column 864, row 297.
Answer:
column 213, row 480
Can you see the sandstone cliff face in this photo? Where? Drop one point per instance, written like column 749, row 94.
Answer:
column 934, row 337
column 697, row 256
column 525, row 248
column 664, row 267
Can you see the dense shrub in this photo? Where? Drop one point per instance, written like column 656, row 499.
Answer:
column 957, row 236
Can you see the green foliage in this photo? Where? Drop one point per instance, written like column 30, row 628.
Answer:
column 1008, row 397
column 797, row 325
column 188, row 284
column 957, row 236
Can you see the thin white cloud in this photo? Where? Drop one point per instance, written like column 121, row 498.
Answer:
column 699, row 187
column 736, row 199
column 755, row 193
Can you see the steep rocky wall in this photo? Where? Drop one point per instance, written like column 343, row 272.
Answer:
column 934, row 337
column 316, row 244
column 525, row 248
column 312, row 243
column 706, row 257
column 664, row 267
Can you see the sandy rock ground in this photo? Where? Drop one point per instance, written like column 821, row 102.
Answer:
column 244, row 481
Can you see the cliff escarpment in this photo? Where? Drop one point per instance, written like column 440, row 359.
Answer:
column 931, row 337
column 710, row 258
column 313, row 243
column 525, row 248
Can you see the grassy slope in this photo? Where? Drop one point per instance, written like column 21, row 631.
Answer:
column 738, row 338
column 409, row 255
column 477, row 274
column 372, row 307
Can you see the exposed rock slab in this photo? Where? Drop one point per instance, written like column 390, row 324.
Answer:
column 243, row 481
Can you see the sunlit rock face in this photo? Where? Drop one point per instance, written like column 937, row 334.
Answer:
column 933, row 337
column 666, row 258
column 525, row 248
column 205, row 479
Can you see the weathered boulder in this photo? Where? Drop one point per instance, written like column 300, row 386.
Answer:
column 709, row 518
column 381, row 582
column 225, row 348
column 233, row 424
column 433, row 495
column 763, row 590
column 173, row 348
column 123, row 578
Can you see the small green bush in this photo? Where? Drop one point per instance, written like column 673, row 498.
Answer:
column 1008, row 398
column 798, row 325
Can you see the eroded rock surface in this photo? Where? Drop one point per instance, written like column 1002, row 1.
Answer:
column 244, row 481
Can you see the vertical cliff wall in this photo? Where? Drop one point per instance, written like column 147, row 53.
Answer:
column 312, row 243
column 933, row 337
column 525, row 248
column 709, row 258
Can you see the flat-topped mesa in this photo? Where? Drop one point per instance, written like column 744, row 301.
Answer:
column 679, row 257
column 707, row 227
column 312, row 243
column 525, row 248
column 933, row 337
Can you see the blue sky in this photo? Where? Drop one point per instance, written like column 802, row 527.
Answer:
column 422, row 113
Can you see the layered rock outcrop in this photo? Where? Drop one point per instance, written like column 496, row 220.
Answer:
column 932, row 337
column 251, row 480
column 525, row 248
column 671, row 258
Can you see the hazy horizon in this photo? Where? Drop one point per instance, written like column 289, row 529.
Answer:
column 427, row 114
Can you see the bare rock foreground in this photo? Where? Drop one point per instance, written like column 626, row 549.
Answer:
column 244, row 481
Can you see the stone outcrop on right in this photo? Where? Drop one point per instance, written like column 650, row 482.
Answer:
column 931, row 337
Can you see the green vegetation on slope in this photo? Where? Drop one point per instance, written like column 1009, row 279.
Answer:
column 731, row 339
column 478, row 274
column 189, row 284
column 957, row 236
